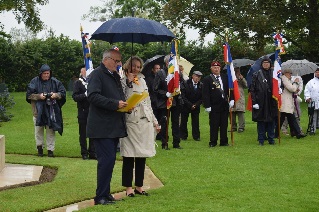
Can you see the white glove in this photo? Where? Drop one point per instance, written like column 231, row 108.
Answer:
column 208, row 109
column 86, row 93
column 256, row 106
column 231, row 103
column 168, row 94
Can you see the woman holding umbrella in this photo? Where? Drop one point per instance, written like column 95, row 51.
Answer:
column 141, row 128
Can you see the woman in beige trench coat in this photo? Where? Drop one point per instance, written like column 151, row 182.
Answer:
column 142, row 128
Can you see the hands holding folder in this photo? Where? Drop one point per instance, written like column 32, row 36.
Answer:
column 134, row 99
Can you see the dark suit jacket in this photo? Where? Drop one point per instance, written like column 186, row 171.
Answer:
column 191, row 96
column 81, row 99
column 213, row 97
column 104, row 93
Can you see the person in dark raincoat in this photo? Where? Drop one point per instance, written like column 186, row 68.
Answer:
column 46, row 95
column 265, row 107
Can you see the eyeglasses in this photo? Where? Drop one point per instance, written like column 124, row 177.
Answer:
column 116, row 61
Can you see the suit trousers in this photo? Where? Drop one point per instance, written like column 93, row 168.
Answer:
column 127, row 171
column 241, row 120
column 106, row 155
column 195, row 125
column 83, row 142
column 218, row 121
column 39, row 136
column 174, row 113
column 266, row 127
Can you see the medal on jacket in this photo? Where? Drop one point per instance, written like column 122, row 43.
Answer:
column 135, row 80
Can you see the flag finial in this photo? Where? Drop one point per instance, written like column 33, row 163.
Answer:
column 226, row 34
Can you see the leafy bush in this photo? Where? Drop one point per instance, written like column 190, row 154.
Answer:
column 6, row 102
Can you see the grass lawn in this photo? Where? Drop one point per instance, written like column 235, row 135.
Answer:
column 243, row 177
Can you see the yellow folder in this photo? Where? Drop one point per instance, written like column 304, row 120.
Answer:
column 134, row 99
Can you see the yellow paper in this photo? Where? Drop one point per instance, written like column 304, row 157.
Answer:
column 134, row 99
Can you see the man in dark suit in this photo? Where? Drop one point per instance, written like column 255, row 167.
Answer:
column 80, row 97
column 192, row 95
column 105, row 125
column 149, row 82
column 215, row 100
column 160, row 88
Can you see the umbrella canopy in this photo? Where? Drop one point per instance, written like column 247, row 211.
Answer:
column 257, row 66
column 241, row 62
column 186, row 65
column 131, row 29
column 149, row 63
column 299, row 67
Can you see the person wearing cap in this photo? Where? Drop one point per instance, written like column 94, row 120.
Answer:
column 289, row 87
column 217, row 101
column 239, row 108
column 311, row 95
column 47, row 95
column 297, row 109
column 265, row 108
column 80, row 97
column 192, row 95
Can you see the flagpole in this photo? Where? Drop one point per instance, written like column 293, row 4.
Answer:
column 166, row 133
column 279, row 126
column 230, row 109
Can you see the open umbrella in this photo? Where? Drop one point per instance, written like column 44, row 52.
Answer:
column 241, row 62
column 257, row 66
column 299, row 67
column 131, row 29
column 149, row 63
column 186, row 65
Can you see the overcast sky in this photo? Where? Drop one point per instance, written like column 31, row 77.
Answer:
column 64, row 16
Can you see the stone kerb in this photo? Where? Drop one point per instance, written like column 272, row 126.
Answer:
column 2, row 152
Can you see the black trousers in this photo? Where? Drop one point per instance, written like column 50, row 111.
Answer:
column 127, row 171
column 106, row 155
column 195, row 124
column 174, row 114
column 292, row 122
column 83, row 142
column 218, row 121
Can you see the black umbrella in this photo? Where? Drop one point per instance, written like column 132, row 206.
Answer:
column 257, row 66
column 149, row 63
column 131, row 29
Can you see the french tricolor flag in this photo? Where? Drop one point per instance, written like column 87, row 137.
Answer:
column 232, row 79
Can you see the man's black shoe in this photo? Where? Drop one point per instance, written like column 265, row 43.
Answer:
column 85, row 157
column 301, row 136
column 223, row 144
column 197, row 139
column 212, row 145
column 50, row 154
column 103, row 202
column 177, row 147
column 93, row 157
column 110, row 198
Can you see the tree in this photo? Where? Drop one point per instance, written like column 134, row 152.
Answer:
column 252, row 20
column 24, row 11
column 151, row 9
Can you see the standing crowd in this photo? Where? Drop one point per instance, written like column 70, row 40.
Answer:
column 100, row 101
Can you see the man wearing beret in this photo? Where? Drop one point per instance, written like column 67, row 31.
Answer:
column 192, row 95
column 215, row 100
